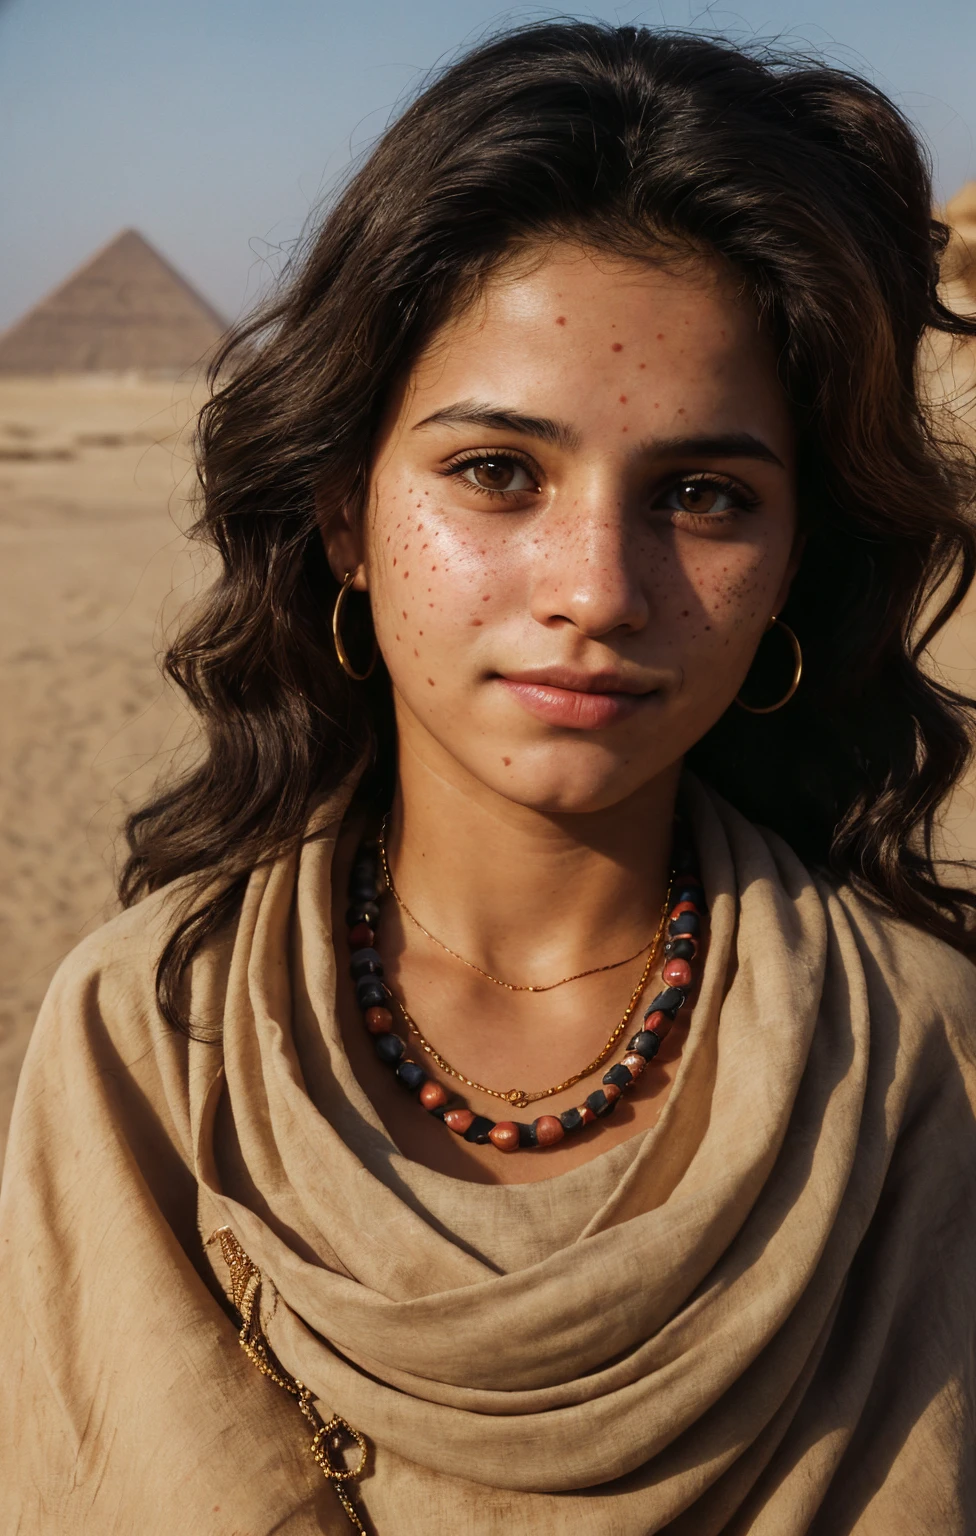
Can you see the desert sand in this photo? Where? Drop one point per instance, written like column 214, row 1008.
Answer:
column 94, row 480
column 94, row 477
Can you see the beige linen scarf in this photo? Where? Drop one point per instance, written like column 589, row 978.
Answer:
column 757, row 1317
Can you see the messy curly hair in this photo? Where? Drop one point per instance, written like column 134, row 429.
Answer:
column 804, row 179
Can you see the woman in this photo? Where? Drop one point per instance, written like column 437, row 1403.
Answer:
column 539, row 1025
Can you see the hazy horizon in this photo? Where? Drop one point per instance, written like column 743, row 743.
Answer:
column 217, row 128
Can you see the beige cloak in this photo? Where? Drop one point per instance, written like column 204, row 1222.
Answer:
column 757, row 1317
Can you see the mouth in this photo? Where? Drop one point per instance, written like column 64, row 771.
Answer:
column 576, row 700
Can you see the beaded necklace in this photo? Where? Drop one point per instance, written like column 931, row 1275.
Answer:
column 376, row 1002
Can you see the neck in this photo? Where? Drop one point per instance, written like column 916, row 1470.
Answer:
column 528, row 895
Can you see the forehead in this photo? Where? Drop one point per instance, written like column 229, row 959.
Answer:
column 567, row 321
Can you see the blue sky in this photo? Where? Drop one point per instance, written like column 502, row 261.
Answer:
column 217, row 126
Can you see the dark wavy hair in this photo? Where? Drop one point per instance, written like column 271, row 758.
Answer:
column 809, row 183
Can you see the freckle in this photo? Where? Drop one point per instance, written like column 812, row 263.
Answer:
column 420, row 633
column 486, row 598
column 507, row 761
column 394, row 559
column 643, row 365
column 398, row 637
column 681, row 410
column 560, row 319
column 433, row 567
column 684, row 613
column 415, row 651
column 660, row 335
column 423, row 547
column 431, row 681
column 623, row 429
column 617, row 346
column 623, row 399
column 657, row 405
column 430, row 605
column 404, row 612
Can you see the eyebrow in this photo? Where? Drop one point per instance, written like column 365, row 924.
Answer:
column 725, row 445
column 470, row 413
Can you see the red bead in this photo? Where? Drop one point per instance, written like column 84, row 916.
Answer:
column 379, row 1021
column 677, row 973
column 361, row 936
column 548, row 1130
column 432, row 1095
column 684, row 906
column 586, row 1114
column 504, row 1136
column 660, row 1023
column 634, row 1063
column 458, row 1120
column 611, row 1091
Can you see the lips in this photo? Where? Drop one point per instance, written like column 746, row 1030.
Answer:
column 578, row 701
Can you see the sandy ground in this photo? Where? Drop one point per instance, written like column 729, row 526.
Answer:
column 93, row 483
column 94, row 479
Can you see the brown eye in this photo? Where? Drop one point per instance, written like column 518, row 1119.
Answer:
column 698, row 496
column 704, row 497
column 497, row 474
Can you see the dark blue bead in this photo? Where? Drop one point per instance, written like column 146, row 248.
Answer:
column 685, row 891
column 478, row 1130
column 571, row 1120
column 361, row 891
column 365, row 962
column 389, row 1048
column 668, row 1001
column 527, row 1136
column 680, row 949
column 371, row 993
column 619, row 1074
column 362, row 912
column 440, row 1111
column 688, row 923
column 646, row 1043
column 599, row 1103
column 411, row 1075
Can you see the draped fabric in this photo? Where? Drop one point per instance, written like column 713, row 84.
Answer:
column 759, row 1316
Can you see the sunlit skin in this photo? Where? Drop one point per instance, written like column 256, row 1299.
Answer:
column 581, row 517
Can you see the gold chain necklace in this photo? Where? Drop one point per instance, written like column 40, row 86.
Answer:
column 510, row 986
column 519, row 1097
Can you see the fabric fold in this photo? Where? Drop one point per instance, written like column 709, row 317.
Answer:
column 750, row 1318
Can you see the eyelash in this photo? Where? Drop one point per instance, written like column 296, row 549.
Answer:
column 744, row 500
column 458, row 466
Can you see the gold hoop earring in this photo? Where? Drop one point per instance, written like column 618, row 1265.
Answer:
column 344, row 662
column 770, row 709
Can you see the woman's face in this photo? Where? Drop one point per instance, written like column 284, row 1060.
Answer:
column 581, row 518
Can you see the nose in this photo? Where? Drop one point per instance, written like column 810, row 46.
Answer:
column 588, row 574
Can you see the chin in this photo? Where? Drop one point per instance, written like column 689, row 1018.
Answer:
column 578, row 781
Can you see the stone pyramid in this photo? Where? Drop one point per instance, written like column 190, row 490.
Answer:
column 126, row 310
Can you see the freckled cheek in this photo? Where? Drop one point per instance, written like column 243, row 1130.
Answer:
column 432, row 584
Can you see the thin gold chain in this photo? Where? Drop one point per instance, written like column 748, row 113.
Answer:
column 519, row 1097
column 510, row 986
